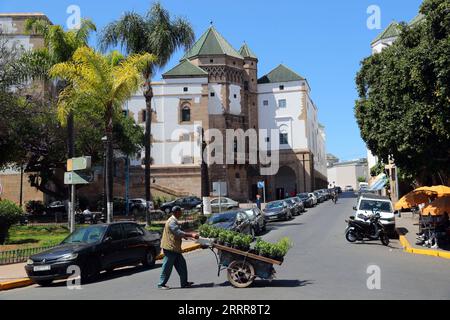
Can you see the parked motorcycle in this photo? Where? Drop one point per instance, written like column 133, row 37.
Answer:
column 371, row 229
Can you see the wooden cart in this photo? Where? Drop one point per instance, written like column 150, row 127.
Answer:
column 243, row 267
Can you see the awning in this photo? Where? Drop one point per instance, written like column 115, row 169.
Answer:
column 379, row 183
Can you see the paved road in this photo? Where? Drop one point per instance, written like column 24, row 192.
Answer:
column 322, row 265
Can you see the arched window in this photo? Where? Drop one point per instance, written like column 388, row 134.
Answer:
column 284, row 136
column 186, row 114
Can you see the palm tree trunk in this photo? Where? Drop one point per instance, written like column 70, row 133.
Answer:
column 148, row 94
column 109, row 164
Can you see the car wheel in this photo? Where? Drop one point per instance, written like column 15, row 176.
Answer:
column 43, row 283
column 149, row 260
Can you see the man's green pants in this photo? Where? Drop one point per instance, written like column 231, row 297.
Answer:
column 173, row 259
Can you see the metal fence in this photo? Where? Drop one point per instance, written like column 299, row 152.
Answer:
column 20, row 255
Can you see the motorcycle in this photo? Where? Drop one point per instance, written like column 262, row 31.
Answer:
column 371, row 229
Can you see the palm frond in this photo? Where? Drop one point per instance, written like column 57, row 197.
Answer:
column 82, row 34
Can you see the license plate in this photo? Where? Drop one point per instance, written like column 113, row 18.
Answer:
column 41, row 268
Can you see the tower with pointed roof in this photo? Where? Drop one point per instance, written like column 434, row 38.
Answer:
column 218, row 86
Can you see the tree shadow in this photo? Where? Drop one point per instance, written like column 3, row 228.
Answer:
column 23, row 241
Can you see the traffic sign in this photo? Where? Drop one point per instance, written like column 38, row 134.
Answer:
column 77, row 178
column 261, row 184
column 75, row 164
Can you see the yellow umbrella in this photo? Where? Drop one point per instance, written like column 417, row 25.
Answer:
column 413, row 199
column 438, row 207
column 439, row 191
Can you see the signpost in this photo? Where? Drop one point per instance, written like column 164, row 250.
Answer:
column 74, row 178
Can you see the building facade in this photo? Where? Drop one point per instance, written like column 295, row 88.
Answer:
column 347, row 173
column 217, row 88
column 15, row 185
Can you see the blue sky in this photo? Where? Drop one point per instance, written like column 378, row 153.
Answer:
column 323, row 40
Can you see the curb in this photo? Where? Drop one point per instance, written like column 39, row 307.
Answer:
column 25, row 282
column 426, row 252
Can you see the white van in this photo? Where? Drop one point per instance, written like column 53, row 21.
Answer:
column 368, row 202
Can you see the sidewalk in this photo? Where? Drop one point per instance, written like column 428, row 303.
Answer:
column 14, row 276
column 407, row 228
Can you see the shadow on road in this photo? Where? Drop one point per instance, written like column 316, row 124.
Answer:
column 105, row 276
column 274, row 283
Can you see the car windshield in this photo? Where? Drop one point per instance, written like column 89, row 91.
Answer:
column 303, row 196
column 290, row 201
column 223, row 217
column 86, row 235
column 273, row 205
column 369, row 205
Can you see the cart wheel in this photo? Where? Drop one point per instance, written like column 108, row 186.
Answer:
column 241, row 274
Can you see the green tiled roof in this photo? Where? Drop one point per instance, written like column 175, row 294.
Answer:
column 393, row 30
column 419, row 18
column 212, row 43
column 246, row 52
column 185, row 68
column 280, row 74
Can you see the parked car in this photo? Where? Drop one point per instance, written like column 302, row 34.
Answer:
column 348, row 189
column 299, row 207
column 187, row 203
column 308, row 201
column 314, row 198
column 94, row 249
column 258, row 221
column 223, row 204
column 277, row 210
column 293, row 206
column 56, row 207
column 236, row 220
column 367, row 203
column 319, row 196
column 338, row 189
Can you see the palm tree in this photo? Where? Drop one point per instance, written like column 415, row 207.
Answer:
column 59, row 46
column 104, row 83
column 154, row 33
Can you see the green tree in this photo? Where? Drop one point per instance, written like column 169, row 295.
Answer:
column 10, row 214
column 155, row 33
column 102, row 83
column 404, row 95
column 59, row 47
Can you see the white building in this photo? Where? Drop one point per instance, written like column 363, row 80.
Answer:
column 216, row 87
column 344, row 174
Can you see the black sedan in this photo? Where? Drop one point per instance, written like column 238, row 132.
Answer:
column 308, row 201
column 296, row 211
column 277, row 210
column 94, row 249
column 257, row 219
column 300, row 206
column 237, row 221
column 187, row 203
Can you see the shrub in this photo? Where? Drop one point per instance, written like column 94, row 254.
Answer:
column 35, row 207
column 10, row 214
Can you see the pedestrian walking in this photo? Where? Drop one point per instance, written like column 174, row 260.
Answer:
column 171, row 245
column 258, row 201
